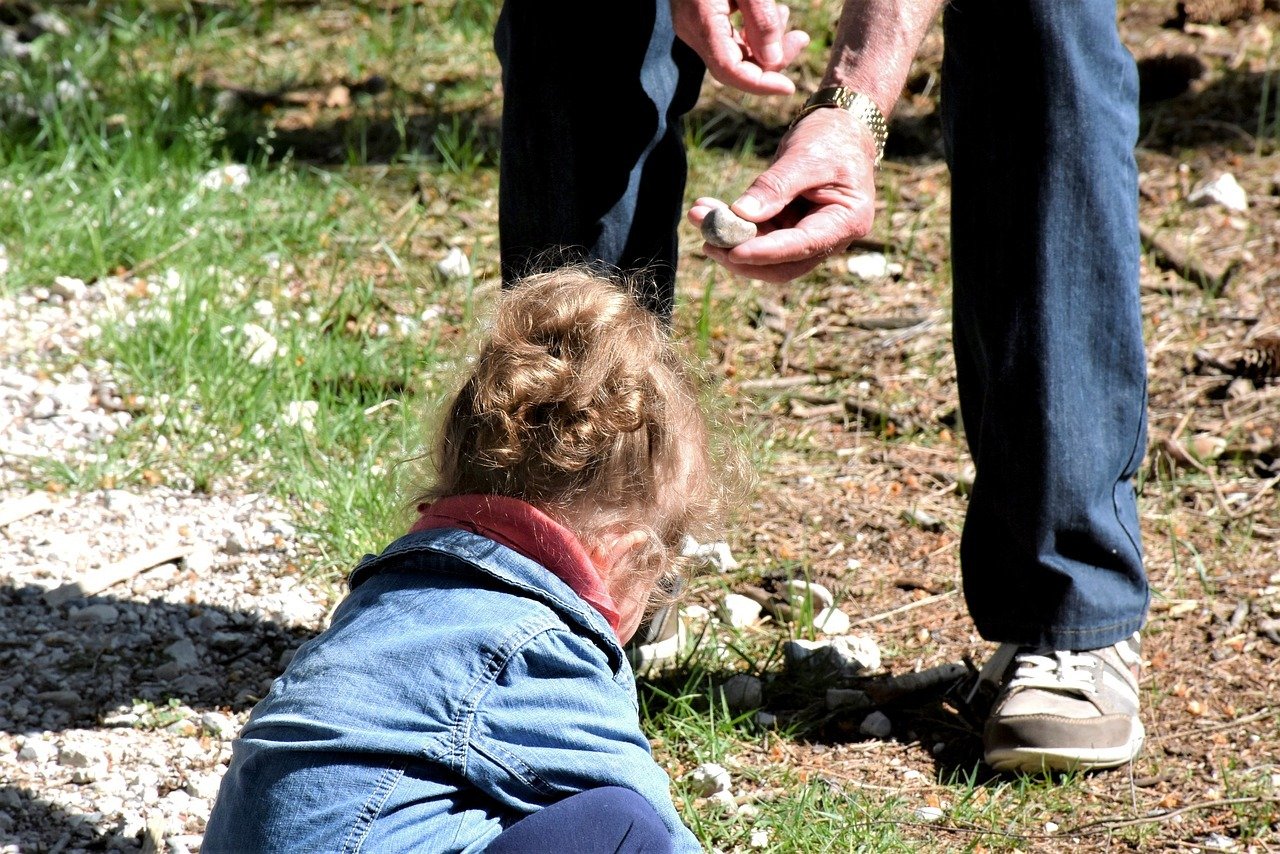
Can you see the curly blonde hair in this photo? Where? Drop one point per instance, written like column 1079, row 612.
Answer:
column 580, row 404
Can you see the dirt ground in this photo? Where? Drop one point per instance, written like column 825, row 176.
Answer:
column 858, row 389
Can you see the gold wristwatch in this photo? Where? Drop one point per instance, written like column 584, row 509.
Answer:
column 857, row 103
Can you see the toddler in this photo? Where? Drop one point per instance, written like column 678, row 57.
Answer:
column 472, row 693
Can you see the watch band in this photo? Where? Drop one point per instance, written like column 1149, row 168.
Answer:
column 857, row 103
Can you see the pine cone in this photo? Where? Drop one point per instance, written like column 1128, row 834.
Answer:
column 1259, row 361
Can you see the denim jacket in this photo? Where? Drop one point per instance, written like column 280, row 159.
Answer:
column 460, row 687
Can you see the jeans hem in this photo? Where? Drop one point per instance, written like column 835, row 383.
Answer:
column 1055, row 637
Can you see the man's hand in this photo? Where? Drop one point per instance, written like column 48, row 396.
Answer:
column 750, row 59
column 817, row 197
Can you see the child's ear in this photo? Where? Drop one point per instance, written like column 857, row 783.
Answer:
column 612, row 548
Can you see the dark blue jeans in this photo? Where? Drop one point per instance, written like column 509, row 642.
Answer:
column 1040, row 117
column 609, row 820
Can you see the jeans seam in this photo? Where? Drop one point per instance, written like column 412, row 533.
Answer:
column 372, row 808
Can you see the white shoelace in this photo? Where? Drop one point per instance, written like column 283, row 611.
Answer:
column 1058, row 671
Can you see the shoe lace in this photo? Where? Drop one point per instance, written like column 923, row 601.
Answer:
column 1060, row 670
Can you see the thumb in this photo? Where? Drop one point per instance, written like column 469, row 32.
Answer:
column 773, row 190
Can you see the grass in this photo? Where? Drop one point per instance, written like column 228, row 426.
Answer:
column 330, row 249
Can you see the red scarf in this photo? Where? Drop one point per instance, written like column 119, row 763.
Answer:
column 524, row 528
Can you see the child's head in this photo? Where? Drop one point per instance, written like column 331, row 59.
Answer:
column 580, row 404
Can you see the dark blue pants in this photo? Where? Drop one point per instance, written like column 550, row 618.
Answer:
column 1040, row 117
column 609, row 820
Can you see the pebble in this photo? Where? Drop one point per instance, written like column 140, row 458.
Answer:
column 725, row 229
column 455, row 264
column 1224, row 190
column 929, row 814
column 69, row 287
column 217, row 723
column 709, row 779
column 832, row 621
column 233, row 177
column 845, row 656
column 871, row 266
column 742, row 691
column 37, row 750
column 102, row 614
column 876, row 725
column 801, row 594
column 717, row 556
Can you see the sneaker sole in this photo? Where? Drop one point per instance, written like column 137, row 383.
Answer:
column 1037, row 760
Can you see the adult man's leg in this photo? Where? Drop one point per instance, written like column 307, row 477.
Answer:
column 593, row 163
column 1040, row 117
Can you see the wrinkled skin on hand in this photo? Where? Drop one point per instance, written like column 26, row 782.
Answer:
column 750, row 59
column 816, row 198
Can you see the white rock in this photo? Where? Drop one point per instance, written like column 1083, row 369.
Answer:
column 695, row 613
column 233, row 177
column 832, row 621
column 37, row 750
column 69, row 287
column 709, row 779
column 861, row 649
column 203, row 786
column 738, row 611
column 1223, row 190
column 742, row 691
column 217, row 723
column 301, row 414
column 759, row 839
column 4, row 260
column 801, row 594
column 870, row 266
column 846, row 656
column 264, row 308
column 724, row 801
column 876, row 725
column 715, row 555
column 454, row 265
column 260, row 346
column 929, row 814
column 201, row 560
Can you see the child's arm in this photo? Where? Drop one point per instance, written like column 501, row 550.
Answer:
column 555, row 722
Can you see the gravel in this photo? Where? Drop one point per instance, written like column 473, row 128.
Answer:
column 117, row 710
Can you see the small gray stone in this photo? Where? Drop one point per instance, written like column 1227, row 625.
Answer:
column 723, row 228
column 100, row 613
column 217, row 723
column 183, row 652
column 81, row 757
column 876, row 725
column 66, row 698
column 742, row 691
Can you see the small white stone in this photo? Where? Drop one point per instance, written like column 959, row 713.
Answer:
column 832, row 621
column 301, row 414
column 217, row 723
column 69, row 287
column 929, row 814
column 715, row 555
column 264, row 308
column 709, row 779
column 259, row 347
column 233, row 177
column 871, row 266
column 4, row 260
column 1223, row 190
column 738, row 611
column 454, row 265
column 759, row 839
column 1050, row 827
column 876, row 725
column 742, row 691
column 801, row 594
column 37, row 750
column 201, row 560
column 724, row 801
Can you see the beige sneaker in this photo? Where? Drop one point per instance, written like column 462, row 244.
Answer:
column 1059, row 710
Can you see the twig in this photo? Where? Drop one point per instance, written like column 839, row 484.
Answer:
column 902, row 609
column 1106, row 825
column 1171, row 257
column 771, row 383
column 21, row 508
column 1260, row 715
column 97, row 580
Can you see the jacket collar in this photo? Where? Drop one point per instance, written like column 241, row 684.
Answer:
column 499, row 563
